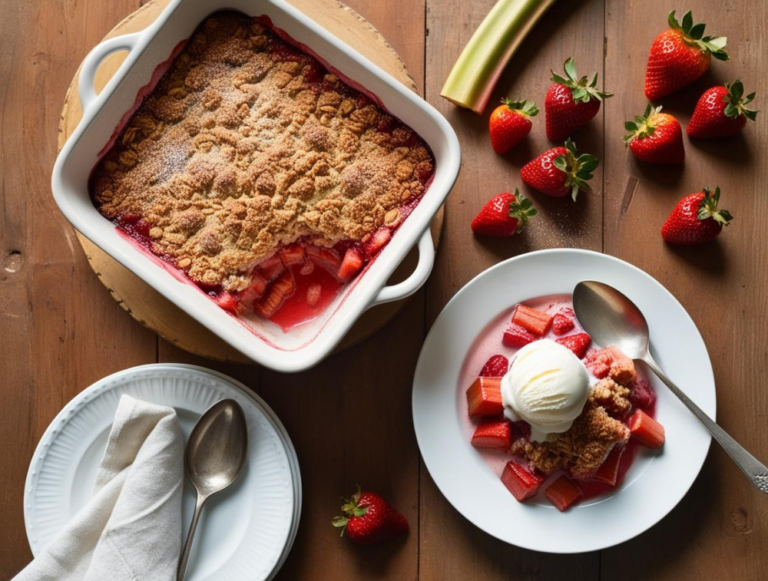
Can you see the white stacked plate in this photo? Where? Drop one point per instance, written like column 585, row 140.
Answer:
column 245, row 532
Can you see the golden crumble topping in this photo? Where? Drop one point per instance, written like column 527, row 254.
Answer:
column 246, row 145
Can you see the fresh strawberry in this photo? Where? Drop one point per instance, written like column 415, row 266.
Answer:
column 510, row 123
column 571, row 102
column 292, row 254
column 696, row 219
column 280, row 290
column 679, row 56
column 351, row 264
column 609, row 469
column 270, row 268
column 515, row 336
column 655, row 137
column 378, row 241
column 368, row 518
column 562, row 493
column 520, row 481
column 313, row 294
column 496, row 366
column 504, row 215
column 562, row 324
column 532, row 320
column 578, row 343
column 646, row 430
column 226, row 301
column 721, row 111
column 560, row 171
column 495, row 434
column 328, row 258
column 484, row 397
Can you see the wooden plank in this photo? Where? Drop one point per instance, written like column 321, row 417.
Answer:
column 451, row 547
column 715, row 532
column 60, row 330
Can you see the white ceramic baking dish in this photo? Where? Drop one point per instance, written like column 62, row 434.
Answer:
column 262, row 341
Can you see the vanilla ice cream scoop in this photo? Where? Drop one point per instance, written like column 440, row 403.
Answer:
column 547, row 386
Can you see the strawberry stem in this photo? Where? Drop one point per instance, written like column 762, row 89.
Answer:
column 523, row 107
column 582, row 89
column 693, row 35
column 737, row 102
column 643, row 126
column 350, row 508
column 708, row 208
column 578, row 168
column 522, row 210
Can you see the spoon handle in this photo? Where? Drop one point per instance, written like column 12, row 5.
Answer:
column 751, row 466
column 190, row 536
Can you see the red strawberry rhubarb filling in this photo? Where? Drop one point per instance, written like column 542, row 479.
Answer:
column 556, row 417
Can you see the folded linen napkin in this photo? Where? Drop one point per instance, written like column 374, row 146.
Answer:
column 131, row 528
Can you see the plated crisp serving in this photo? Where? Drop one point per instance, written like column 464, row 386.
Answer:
column 268, row 180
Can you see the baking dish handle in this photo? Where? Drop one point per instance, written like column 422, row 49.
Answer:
column 419, row 276
column 94, row 59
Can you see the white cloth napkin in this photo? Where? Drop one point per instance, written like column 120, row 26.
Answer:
column 131, row 528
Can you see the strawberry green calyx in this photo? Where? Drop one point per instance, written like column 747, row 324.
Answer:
column 522, row 106
column 350, row 508
column 521, row 210
column 582, row 89
column 578, row 168
column 708, row 208
column 737, row 102
column 643, row 126
column 693, row 35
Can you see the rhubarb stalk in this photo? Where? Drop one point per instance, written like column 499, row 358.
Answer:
column 482, row 61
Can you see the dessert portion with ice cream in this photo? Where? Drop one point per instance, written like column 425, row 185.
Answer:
column 552, row 413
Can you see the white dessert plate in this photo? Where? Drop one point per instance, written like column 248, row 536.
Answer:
column 656, row 481
column 247, row 530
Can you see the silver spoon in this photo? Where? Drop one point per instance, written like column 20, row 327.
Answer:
column 612, row 319
column 213, row 459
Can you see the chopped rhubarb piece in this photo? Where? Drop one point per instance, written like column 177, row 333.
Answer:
column 642, row 396
column 520, row 481
column 562, row 493
column 270, row 268
column 493, row 434
column 646, row 430
column 280, row 290
column 532, row 320
column 351, row 264
column 484, row 397
column 226, row 301
column 307, row 268
column 292, row 254
column 313, row 294
column 328, row 258
column 378, row 241
column 496, row 366
column 516, row 336
column 252, row 293
column 609, row 469
column 562, row 324
column 578, row 343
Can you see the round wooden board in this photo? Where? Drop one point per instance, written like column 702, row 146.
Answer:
column 148, row 306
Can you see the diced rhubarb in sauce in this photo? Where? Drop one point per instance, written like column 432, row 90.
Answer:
column 493, row 434
column 271, row 268
column 292, row 254
column 484, row 397
column 609, row 469
column 646, row 430
column 280, row 290
column 351, row 264
column 562, row 493
column 520, row 481
column 226, row 301
column 532, row 320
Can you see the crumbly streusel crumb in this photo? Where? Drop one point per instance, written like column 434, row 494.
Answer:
column 238, row 151
column 611, row 396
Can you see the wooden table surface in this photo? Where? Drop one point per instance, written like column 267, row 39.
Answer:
column 350, row 418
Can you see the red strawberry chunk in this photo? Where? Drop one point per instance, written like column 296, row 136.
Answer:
column 292, row 254
column 484, row 397
column 609, row 469
column 562, row 324
column 351, row 264
column 493, row 434
column 270, row 268
column 646, row 430
column 515, row 336
column 520, row 481
column 378, row 241
column 532, row 320
column 226, row 301
column 313, row 294
column 280, row 290
column 642, row 396
column 578, row 343
column 598, row 361
column 563, row 492
column 328, row 258
column 496, row 366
